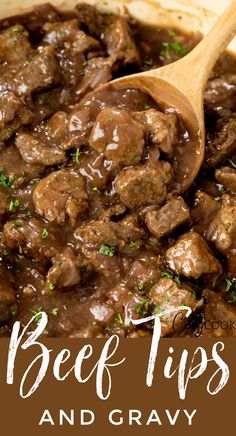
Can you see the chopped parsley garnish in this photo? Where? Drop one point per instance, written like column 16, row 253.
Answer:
column 170, row 47
column 232, row 163
column 229, row 284
column 38, row 314
column 139, row 287
column 51, row 286
column 44, row 234
column 28, row 214
column 6, row 181
column 26, row 61
column 18, row 223
column 147, row 106
column 5, row 253
column 193, row 293
column 119, row 319
column 14, row 204
column 222, row 192
column 95, row 189
column 142, row 306
column 62, row 34
column 149, row 63
column 13, row 312
column 129, row 46
column 17, row 29
column 107, row 251
column 54, row 311
column 171, row 33
column 159, row 310
column 77, row 155
column 232, row 299
column 167, row 275
column 136, row 157
column 106, row 193
column 134, row 244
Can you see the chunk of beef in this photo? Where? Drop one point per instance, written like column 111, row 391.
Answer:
column 117, row 135
column 39, row 73
column 3, row 203
column 191, row 257
column 227, row 177
column 60, row 196
column 31, row 239
column 92, row 167
column 96, row 72
column 7, row 294
column 162, row 222
column 15, row 46
column 119, row 43
column 222, row 143
column 103, row 314
column 90, row 19
column 65, row 271
column 13, row 114
column 161, row 128
column 104, row 231
column 205, row 208
column 221, row 313
column 80, row 123
column 144, row 272
column 222, row 230
column 144, row 185
column 220, row 92
column 167, row 295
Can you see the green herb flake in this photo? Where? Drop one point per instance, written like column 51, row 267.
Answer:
column 193, row 294
column 147, row 106
column 77, row 155
column 62, row 34
column 139, row 287
column 142, row 306
column 232, row 299
column 51, row 286
column 166, row 275
column 159, row 310
column 232, row 163
column 172, row 33
column 28, row 214
column 119, row 319
column 44, row 234
column 18, row 223
column 5, row 252
column 149, row 62
column 38, row 314
column 229, row 284
column 106, row 193
column 222, row 192
column 173, row 47
column 6, row 181
column 13, row 312
column 177, row 280
column 14, row 204
column 134, row 244
column 95, row 189
column 26, row 62
column 107, row 251
column 54, row 311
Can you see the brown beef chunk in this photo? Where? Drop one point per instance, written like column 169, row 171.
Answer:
column 144, row 271
column 117, row 135
column 42, row 71
column 65, row 271
column 167, row 295
column 90, row 19
column 32, row 238
column 15, row 46
column 3, row 203
column 191, row 257
column 205, row 208
column 60, row 196
column 7, row 294
column 161, row 128
column 217, row 312
column 96, row 72
column 162, row 222
column 13, row 114
column 222, row 143
column 144, row 185
column 220, row 92
column 119, row 42
column 227, row 177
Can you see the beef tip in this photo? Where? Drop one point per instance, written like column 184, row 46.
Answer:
column 103, row 314
column 222, row 231
column 144, row 185
column 15, row 46
column 13, row 114
column 94, row 170
column 191, row 257
column 80, row 124
column 90, row 19
column 117, row 135
column 7, row 295
column 3, row 203
column 205, row 208
column 65, row 271
column 144, row 272
column 221, row 313
column 32, row 238
column 104, row 231
column 96, row 72
column 226, row 176
column 61, row 195
column 39, row 73
column 162, row 222
column 119, row 43
column 161, row 128
column 221, row 144
column 15, row 168
column 220, row 92
column 167, row 295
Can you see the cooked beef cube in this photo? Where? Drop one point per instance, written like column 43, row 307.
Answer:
column 65, row 271
column 60, row 196
column 220, row 92
column 222, row 229
column 13, row 114
column 80, row 124
column 7, row 294
column 167, row 295
column 36, row 19
column 3, row 203
column 162, row 222
column 94, row 170
column 32, row 238
column 15, row 46
column 96, row 72
column 15, row 168
column 205, row 208
column 40, row 73
column 144, row 184
column 34, row 150
column 119, row 42
column 117, row 135
column 161, row 128
column 191, row 257
column 90, row 19
column 103, row 314
column 221, row 144
column 227, row 177
column 144, row 272
column 104, row 231
column 221, row 313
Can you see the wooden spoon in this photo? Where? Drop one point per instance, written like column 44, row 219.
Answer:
column 181, row 86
